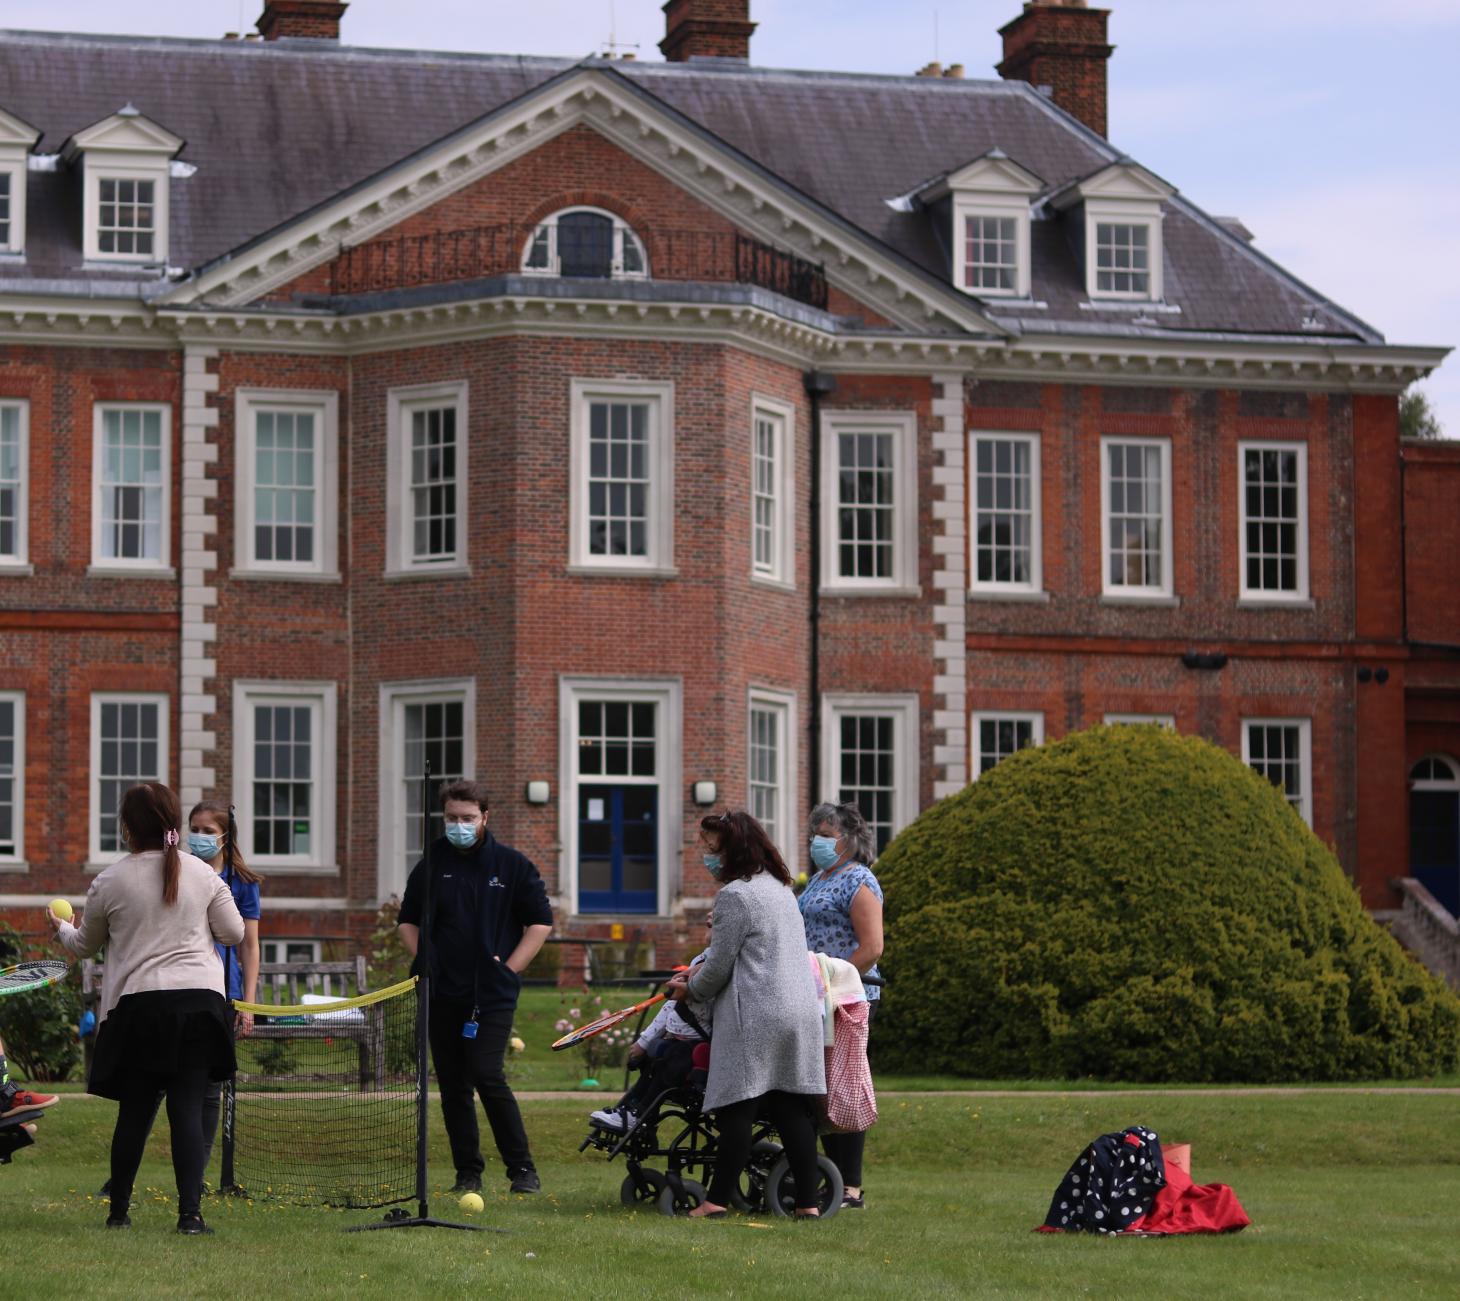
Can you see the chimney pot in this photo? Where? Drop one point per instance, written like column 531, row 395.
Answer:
column 933, row 69
column 954, row 70
column 301, row 19
column 1061, row 43
column 706, row 29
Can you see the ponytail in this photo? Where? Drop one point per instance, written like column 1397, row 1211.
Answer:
column 150, row 812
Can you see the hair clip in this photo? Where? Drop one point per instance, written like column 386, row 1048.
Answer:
column 170, row 837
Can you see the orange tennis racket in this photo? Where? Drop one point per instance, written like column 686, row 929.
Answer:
column 603, row 1023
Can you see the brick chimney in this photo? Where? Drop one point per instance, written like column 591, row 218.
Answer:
column 312, row 19
column 1061, row 44
column 706, row 29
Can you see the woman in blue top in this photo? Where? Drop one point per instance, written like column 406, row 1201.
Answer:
column 842, row 909
column 207, row 839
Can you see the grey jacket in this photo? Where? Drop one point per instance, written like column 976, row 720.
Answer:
column 768, row 1032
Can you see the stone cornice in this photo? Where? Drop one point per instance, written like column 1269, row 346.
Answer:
column 1189, row 362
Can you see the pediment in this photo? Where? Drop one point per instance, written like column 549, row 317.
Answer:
column 125, row 131
column 1124, row 179
column 750, row 197
column 17, row 133
column 994, row 172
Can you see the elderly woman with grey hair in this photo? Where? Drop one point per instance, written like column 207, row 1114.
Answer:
column 842, row 909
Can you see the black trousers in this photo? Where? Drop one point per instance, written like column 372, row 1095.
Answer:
column 790, row 1113
column 468, row 1066
column 846, row 1149
column 659, row 1073
column 184, row 1091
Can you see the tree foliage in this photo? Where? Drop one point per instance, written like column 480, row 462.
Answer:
column 1131, row 904
column 1417, row 418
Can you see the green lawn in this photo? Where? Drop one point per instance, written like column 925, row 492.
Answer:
column 1352, row 1195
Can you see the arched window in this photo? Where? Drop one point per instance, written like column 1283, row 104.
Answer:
column 1434, row 828
column 586, row 242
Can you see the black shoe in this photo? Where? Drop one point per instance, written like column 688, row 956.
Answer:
column 106, row 1189
column 192, row 1225
column 466, row 1184
column 526, row 1181
column 854, row 1203
column 118, row 1222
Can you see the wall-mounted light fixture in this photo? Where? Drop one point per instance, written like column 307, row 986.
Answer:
column 537, row 792
column 705, row 792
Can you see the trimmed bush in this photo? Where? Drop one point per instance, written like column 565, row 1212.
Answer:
column 1130, row 904
column 38, row 1027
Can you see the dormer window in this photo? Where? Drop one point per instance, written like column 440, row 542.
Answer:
column 587, row 243
column 126, row 163
column 1119, row 209
column 987, row 202
column 17, row 139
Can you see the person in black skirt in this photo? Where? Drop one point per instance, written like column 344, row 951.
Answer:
column 164, row 1020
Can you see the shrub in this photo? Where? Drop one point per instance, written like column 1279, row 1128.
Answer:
column 39, row 1027
column 1131, row 904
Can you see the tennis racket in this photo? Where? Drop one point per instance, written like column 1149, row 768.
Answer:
column 32, row 975
column 603, row 1023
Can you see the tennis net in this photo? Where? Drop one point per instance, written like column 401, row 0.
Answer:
column 326, row 1102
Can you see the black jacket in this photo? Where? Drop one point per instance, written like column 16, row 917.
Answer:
column 482, row 900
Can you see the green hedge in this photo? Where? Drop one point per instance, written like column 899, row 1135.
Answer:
column 38, row 1028
column 1131, row 904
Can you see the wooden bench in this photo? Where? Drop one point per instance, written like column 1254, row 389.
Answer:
column 285, row 984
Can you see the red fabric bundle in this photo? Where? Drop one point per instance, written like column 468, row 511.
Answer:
column 1184, row 1207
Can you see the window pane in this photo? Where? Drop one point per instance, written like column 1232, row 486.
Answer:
column 131, row 484
column 284, row 796
column 1272, row 524
column 1000, row 735
column 1134, row 515
column 866, row 503
column 618, row 479
column 434, row 732
column 129, row 751
column 867, row 770
column 1005, row 511
column 433, row 483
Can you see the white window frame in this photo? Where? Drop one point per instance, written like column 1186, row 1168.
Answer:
column 1136, row 591
column 668, row 694
column 1450, row 783
column 394, row 697
column 15, row 860
column 1168, row 721
column 622, row 232
column 1035, row 717
column 1305, row 756
column 659, row 562
column 324, row 404
column 1258, row 595
column 98, row 698
column 102, row 166
column 999, row 207
column 903, row 426
column 1036, row 535
column 19, row 559
column 783, row 705
column 905, row 709
column 17, row 170
column 285, row 941
column 781, row 572
column 1123, row 212
column 161, row 565
column 323, row 697
column 401, row 404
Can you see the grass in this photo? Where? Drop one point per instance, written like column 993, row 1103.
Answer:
column 1351, row 1196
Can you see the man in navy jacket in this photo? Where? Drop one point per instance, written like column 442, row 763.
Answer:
column 489, row 917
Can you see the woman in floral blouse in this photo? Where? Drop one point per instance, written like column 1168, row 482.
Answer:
column 842, row 910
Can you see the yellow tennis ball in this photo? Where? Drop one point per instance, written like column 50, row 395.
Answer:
column 471, row 1203
column 516, row 1044
column 62, row 909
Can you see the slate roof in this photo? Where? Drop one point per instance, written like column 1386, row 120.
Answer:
column 276, row 128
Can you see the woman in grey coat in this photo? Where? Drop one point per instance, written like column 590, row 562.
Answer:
column 768, row 1057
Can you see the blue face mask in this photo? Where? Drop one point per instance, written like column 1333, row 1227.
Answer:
column 823, row 852
column 461, row 834
column 712, row 864
column 201, row 846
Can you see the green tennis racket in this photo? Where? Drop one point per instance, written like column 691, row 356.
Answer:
column 32, row 975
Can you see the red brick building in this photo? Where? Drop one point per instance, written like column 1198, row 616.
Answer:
column 649, row 437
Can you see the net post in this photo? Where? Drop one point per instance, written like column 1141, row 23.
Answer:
column 423, row 1002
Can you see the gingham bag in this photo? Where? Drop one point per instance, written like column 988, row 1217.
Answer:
column 851, row 1103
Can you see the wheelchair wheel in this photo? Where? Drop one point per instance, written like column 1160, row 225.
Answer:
column 641, row 1189
column 671, row 1203
column 750, row 1188
column 780, row 1191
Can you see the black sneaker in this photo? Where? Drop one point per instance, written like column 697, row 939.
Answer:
column 192, row 1225
column 466, row 1184
column 526, row 1181
column 118, row 1222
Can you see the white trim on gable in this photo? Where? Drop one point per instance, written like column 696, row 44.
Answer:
column 736, row 189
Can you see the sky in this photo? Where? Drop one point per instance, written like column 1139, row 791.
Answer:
column 1330, row 127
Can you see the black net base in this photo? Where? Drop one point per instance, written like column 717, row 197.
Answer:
column 327, row 1103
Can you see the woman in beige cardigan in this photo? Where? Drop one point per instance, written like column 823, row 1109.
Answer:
column 164, row 1021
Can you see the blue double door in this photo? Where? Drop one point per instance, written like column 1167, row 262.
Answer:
column 1434, row 844
column 618, row 848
